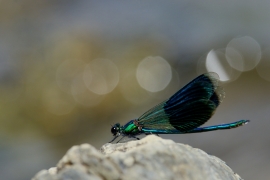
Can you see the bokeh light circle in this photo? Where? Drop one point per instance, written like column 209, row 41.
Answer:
column 216, row 61
column 234, row 58
column 154, row 74
column 83, row 95
column 248, row 48
column 101, row 76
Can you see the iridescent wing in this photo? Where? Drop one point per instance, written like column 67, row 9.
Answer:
column 188, row 108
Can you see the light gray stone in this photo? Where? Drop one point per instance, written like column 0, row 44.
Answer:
column 149, row 158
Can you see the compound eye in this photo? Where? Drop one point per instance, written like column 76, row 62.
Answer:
column 114, row 130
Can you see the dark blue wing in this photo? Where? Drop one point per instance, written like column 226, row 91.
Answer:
column 188, row 108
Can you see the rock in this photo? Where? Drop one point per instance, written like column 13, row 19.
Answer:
column 149, row 158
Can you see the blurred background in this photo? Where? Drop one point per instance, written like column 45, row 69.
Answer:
column 71, row 69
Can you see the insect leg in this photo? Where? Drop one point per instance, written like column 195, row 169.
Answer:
column 114, row 138
column 121, row 138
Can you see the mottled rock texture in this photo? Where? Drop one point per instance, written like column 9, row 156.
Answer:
column 150, row 158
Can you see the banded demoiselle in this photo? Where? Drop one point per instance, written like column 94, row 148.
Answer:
column 182, row 113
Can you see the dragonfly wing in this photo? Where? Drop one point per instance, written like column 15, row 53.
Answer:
column 188, row 108
column 191, row 115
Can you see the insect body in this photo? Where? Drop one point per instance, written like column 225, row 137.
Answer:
column 182, row 113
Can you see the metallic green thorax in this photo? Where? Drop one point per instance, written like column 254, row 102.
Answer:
column 130, row 128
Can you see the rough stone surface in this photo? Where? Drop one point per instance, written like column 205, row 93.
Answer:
column 149, row 158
